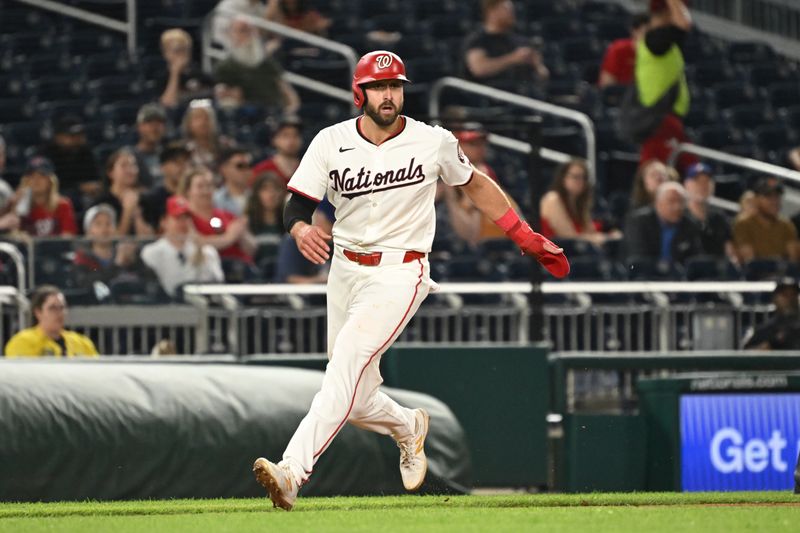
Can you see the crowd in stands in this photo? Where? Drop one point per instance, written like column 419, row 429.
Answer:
column 184, row 199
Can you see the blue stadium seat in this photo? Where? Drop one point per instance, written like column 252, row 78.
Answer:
column 16, row 109
column 730, row 94
column 610, row 29
column 55, row 87
column 716, row 136
column 784, row 94
column 710, row 73
column 750, row 52
column 22, row 133
column 710, row 268
column 12, row 85
column 748, row 116
column 772, row 137
column 764, row 269
column 646, row 269
column 761, row 75
column 115, row 88
column 590, row 269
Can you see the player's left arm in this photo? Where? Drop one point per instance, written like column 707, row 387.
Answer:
column 490, row 199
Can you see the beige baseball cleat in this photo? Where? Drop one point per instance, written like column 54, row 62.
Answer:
column 278, row 481
column 413, row 463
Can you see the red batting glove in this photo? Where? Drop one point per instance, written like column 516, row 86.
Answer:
column 545, row 251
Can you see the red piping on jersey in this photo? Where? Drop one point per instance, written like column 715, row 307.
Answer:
column 304, row 195
column 369, row 361
column 392, row 136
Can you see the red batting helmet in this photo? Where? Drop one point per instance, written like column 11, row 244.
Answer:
column 375, row 66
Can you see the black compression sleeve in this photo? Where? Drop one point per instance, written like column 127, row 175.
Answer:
column 298, row 208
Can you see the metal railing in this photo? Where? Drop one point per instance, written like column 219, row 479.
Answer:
column 210, row 53
column 640, row 316
column 781, row 17
column 128, row 26
column 581, row 119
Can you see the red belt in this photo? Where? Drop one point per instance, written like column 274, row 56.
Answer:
column 374, row 258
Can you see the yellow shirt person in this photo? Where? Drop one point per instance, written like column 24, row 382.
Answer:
column 48, row 337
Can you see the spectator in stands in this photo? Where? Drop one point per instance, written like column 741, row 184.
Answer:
column 648, row 179
column 794, row 158
column 715, row 229
column 249, row 75
column 201, row 134
column 293, row 267
column 463, row 218
column 663, row 232
column 234, row 167
column 620, row 56
column 99, row 259
column 151, row 122
column 566, row 209
column 122, row 192
column 767, row 233
column 43, row 211
column 747, row 205
column 497, row 56
column 653, row 116
column 472, row 138
column 183, row 79
column 782, row 331
column 74, row 161
column 264, row 208
column 287, row 140
column 299, row 15
column 224, row 231
column 178, row 257
column 9, row 221
column 48, row 337
column 153, row 203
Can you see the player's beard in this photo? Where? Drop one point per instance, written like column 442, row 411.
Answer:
column 380, row 120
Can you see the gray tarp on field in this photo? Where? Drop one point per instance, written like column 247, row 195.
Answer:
column 76, row 430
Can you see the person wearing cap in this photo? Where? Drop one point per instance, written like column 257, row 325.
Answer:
column 153, row 203
column 235, row 168
column 287, row 140
column 49, row 337
column 715, row 228
column 767, row 233
column 177, row 257
column 151, row 123
column 98, row 259
column 782, row 331
column 620, row 56
column 43, row 211
column 73, row 160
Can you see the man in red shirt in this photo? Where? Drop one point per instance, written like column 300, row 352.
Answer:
column 287, row 141
column 620, row 56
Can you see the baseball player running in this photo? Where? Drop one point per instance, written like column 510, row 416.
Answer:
column 379, row 170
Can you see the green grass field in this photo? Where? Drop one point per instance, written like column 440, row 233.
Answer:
column 726, row 512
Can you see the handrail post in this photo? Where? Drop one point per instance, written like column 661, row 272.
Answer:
column 540, row 106
column 132, row 24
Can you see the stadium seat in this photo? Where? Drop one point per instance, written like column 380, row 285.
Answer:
column 772, row 137
column 749, row 52
column 730, row 94
column 748, row 116
column 16, row 109
column 22, row 133
column 784, row 94
column 646, row 269
column 710, row 268
column 764, row 269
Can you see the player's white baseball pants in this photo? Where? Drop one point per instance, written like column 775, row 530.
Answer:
column 368, row 307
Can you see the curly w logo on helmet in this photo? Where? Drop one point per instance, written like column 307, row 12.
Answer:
column 383, row 61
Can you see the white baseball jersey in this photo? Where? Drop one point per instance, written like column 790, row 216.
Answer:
column 383, row 194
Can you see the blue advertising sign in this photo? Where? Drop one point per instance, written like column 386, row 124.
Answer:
column 739, row 441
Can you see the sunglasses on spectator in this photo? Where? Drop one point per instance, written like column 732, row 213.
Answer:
column 242, row 166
